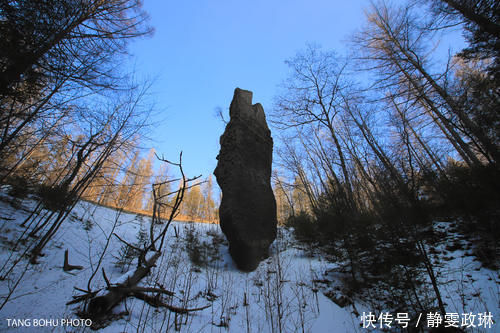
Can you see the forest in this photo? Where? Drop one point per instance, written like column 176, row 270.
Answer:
column 386, row 162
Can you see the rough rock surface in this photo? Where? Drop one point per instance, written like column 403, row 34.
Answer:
column 248, row 209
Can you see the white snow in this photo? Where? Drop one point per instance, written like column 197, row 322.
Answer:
column 279, row 296
column 123, row 278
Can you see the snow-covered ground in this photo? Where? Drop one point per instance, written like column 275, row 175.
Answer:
column 285, row 294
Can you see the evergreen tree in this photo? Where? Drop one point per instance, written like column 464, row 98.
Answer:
column 208, row 209
column 192, row 205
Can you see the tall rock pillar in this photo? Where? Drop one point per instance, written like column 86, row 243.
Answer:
column 247, row 211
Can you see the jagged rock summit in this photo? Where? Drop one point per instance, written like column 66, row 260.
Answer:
column 247, row 211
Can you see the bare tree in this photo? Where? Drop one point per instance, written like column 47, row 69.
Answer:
column 311, row 97
column 55, row 53
column 100, row 306
column 107, row 133
column 394, row 44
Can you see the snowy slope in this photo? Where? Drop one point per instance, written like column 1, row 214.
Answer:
column 284, row 294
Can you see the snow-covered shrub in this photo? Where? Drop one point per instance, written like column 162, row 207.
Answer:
column 125, row 257
column 197, row 249
column 142, row 236
column 127, row 253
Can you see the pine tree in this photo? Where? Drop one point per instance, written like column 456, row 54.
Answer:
column 142, row 180
column 284, row 203
column 208, row 201
column 125, row 191
column 163, row 189
column 193, row 202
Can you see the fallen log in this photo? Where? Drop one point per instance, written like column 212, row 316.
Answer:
column 66, row 266
column 101, row 305
column 157, row 302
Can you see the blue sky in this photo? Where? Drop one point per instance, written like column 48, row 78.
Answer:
column 201, row 50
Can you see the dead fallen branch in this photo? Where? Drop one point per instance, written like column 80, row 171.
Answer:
column 99, row 307
column 67, row 267
column 156, row 302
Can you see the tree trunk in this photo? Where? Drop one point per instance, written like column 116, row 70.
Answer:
column 101, row 305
